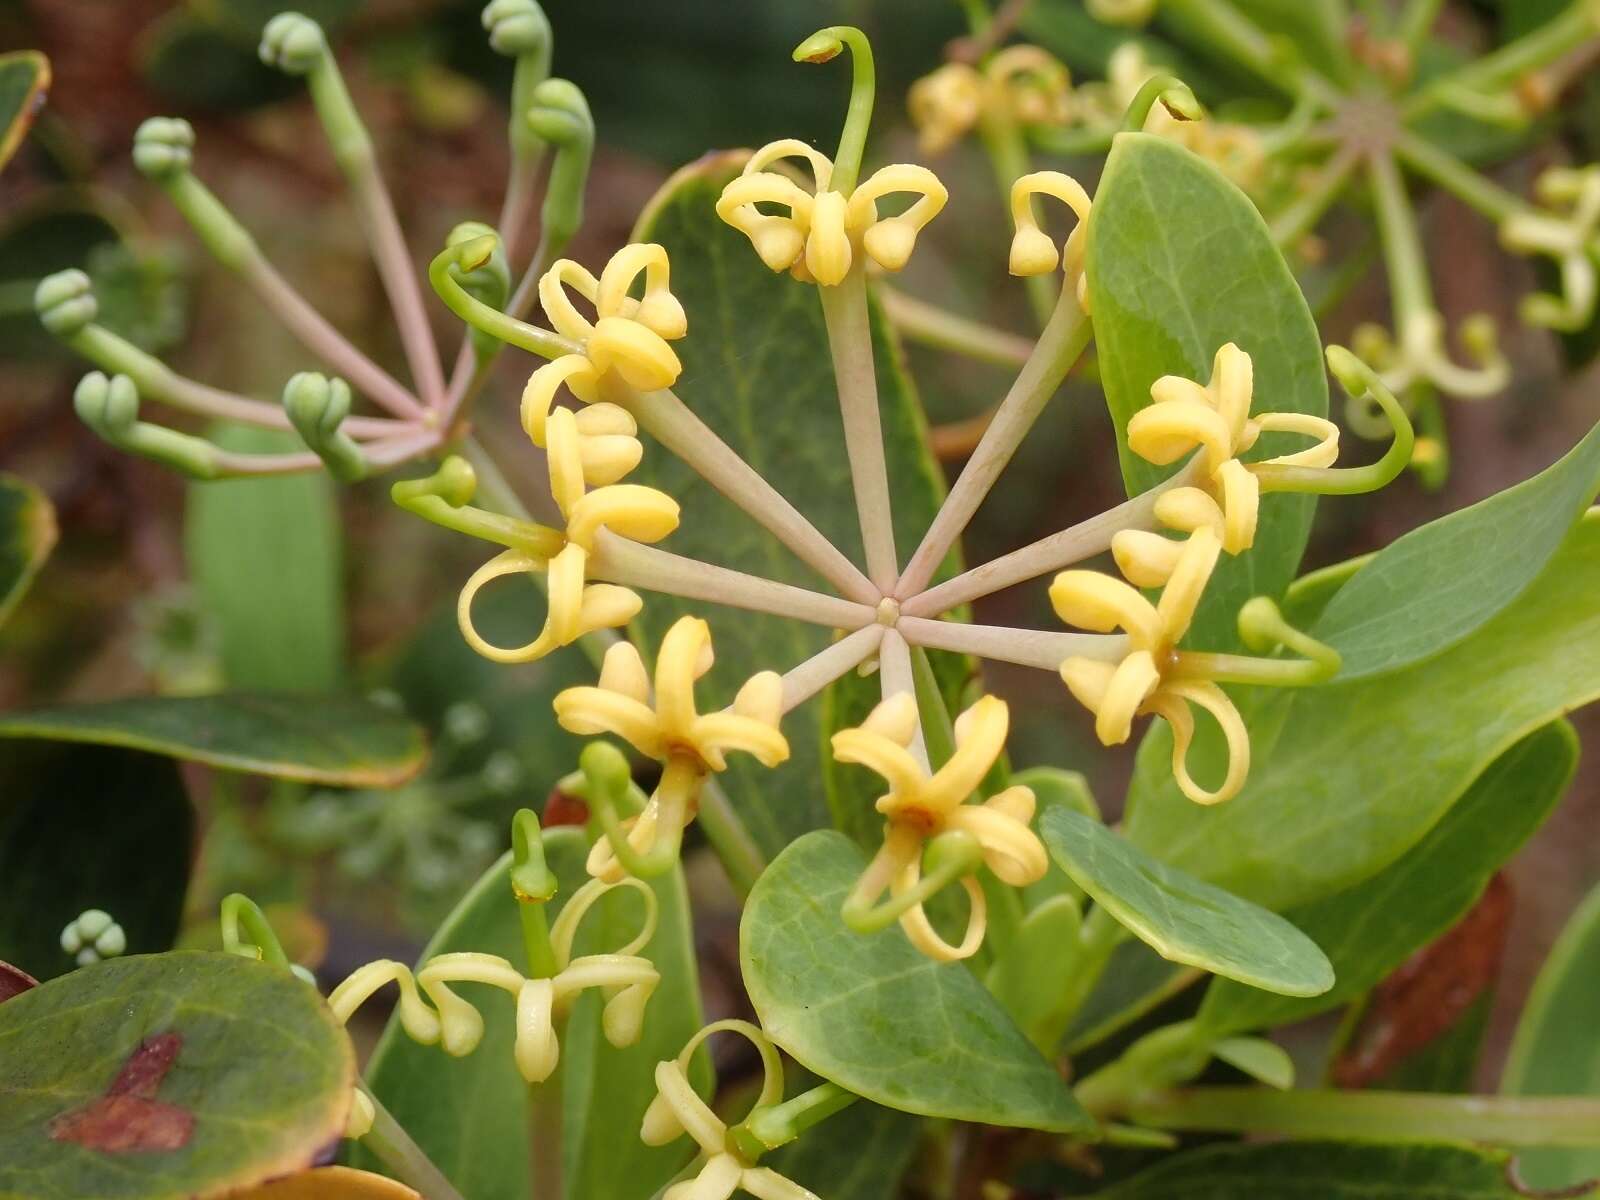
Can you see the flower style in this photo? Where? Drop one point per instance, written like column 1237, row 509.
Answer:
column 828, row 227
column 624, row 976
column 689, row 745
column 1420, row 359
column 1566, row 232
column 1020, row 84
column 729, row 1162
column 931, row 807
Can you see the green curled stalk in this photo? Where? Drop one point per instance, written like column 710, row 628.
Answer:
column 533, row 884
column 559, row 115
column 819, row 48
column 604, row 782
column 445, row 498
column 247, row 932
column 445, row 272
column 1174, row 95
column 1263, row 629
column 317, row 407
column 109, row 405
column 949, row 857
column 489, row 283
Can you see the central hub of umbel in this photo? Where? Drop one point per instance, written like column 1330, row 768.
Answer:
column 888, row 611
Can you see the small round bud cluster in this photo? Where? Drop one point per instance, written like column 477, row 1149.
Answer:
column 92, row 936
column 65, row 302
column 292, row 42
column 163, row 146
column 516, row 27
column 108, row 406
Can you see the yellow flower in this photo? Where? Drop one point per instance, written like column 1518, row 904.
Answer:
column 627, row 336
column 677, row 1110
column 1149, row 679
column 1032, row 250
column 624, row 976
column 1022, row 84
column 666, row 727
column 1566, row 233
column 824, row 230
column 920, row 806
column 1215, row 419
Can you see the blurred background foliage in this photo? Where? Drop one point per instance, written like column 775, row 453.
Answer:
column 294, row 583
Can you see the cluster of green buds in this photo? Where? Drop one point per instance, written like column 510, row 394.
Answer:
column 550, row 121
column 92, row 936
column 940, row 828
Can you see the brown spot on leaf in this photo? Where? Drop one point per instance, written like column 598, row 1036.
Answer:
column 1426, row 995
column 563, row 808
column 128, row 1118
column 14, row 982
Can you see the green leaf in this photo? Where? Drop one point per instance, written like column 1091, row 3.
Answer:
column 27, row 535
column 874, row 1015
column 1329, row 1171
column 861, row 1154
column 1264, row 1061
column 1347, row 777
column 265, row 557
column 226, row 1072
column 339, row 740
column 756, row 369
column 1434, row 586
column 471, row 1114
column 24, row 81
column 89, row 827
column 1554, row 1051
column 1180, row 262
column 1183, row 919
column 1136, row 981
column 1370, row 929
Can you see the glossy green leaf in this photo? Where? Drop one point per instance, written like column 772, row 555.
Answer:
column 1264, row 1061
column 1329, row 1171
column 1180, row 262
column 860, row 1154
column 471, row 1114
column 1429, row 589
column 27, row 535
column 1370, row 929
column 89, row 827
column 1180, row 917
column 1555, row 1051
column 265, row 556
column 1136, row 981
column 176, row 1075
column 24, row 82
column 1345, row 778
column 1033, row 974
column 339, row 740
column 874, row 1015
column 756, row 369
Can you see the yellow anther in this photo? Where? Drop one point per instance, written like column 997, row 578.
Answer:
column 1144, row 683
column 628, row 336
column 1566, row 232
column 1215, row 418
column 920, row 807
column 677, row 1110
column 625, row 978
column 667, row 727
column 825, row 229
column 1033, row 251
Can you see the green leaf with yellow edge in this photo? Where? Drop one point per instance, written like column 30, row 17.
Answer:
column 877, row 1017
column 1370, row 929
column 27, row 535
column 342, row 741
column 1555, row 1051
column 1330, row 1171
column 1429, row 589
column 266, row 558
column 1181, row 918
column 756, row 368
column 24, row 82
column 1180, row 262
column 471, row 1115
column 1345, row 778
column 89, row 827
column 182, row 1076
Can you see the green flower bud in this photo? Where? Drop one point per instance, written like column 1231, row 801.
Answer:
column 163, row 147
column 110, row 407
column 65, row 302
column 317, row 405
column 293, row 42
column 517, row 27
column 93, row 936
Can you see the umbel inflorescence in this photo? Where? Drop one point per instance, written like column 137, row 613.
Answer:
column 1123, row 658
column 1360, row 123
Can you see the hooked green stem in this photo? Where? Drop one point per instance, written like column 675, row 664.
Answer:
column 445, row 499
column 1174, row 95
column 1263, row 629
column 819, row 48
column 247, row 932
column 469, row 256
column 768, row 1128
